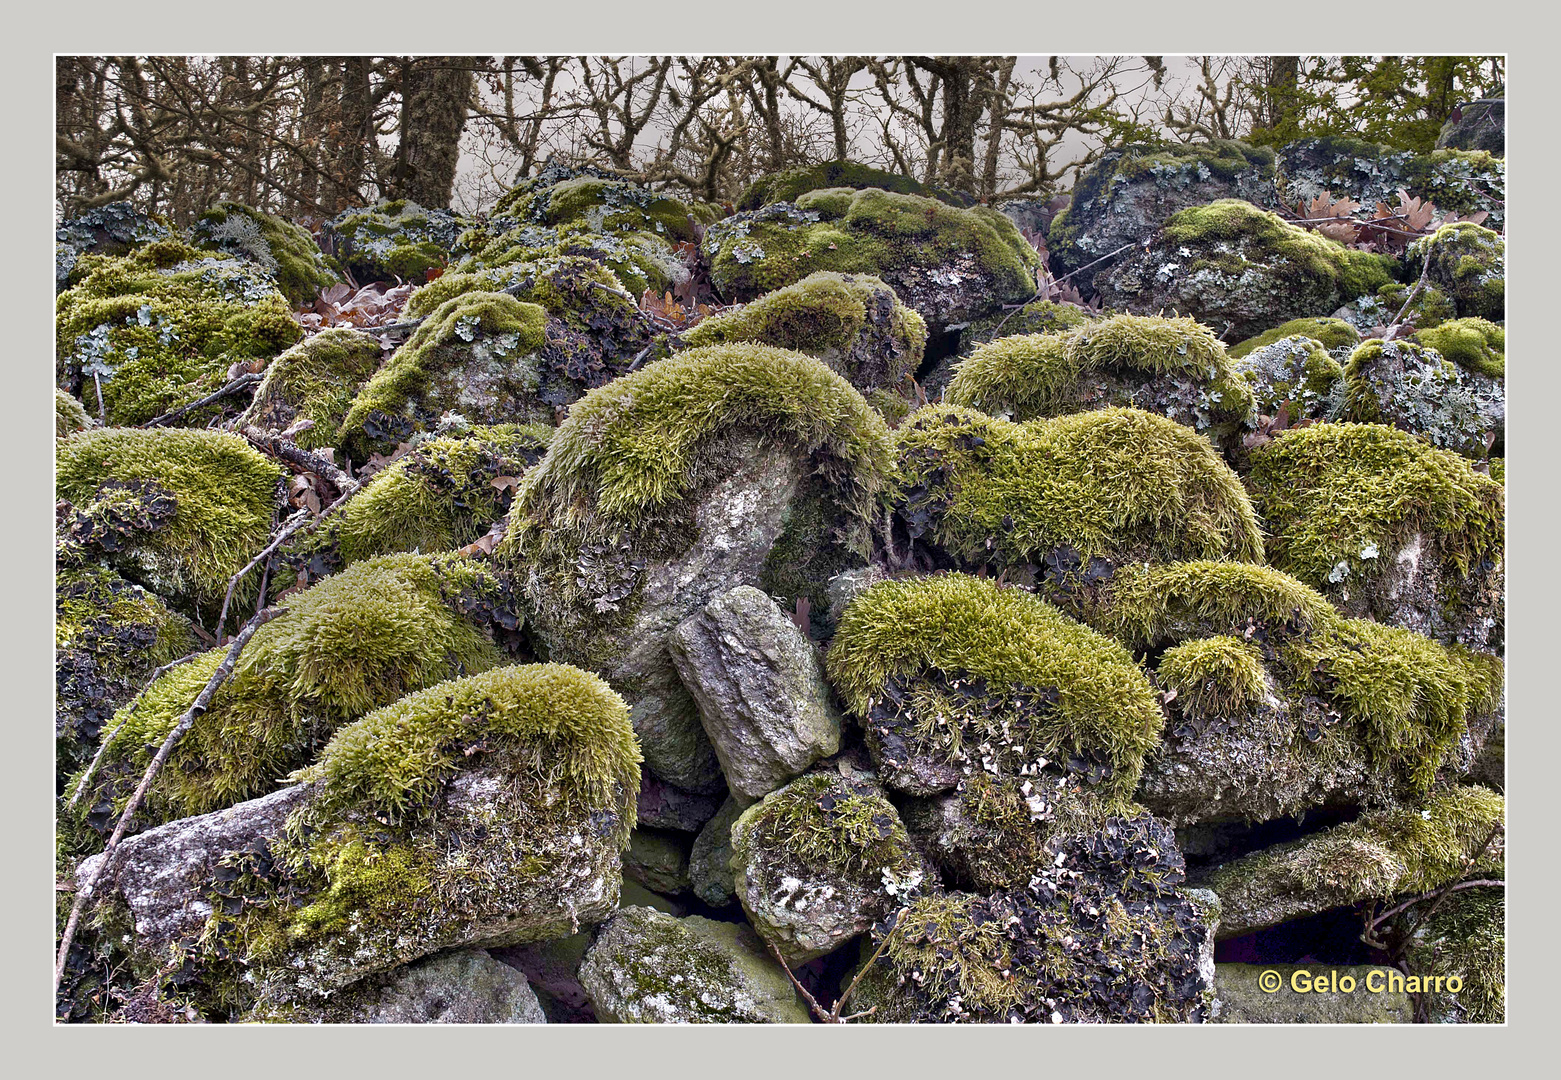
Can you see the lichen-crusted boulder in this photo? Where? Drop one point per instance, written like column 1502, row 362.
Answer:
column 560, row 194
column 1239, row 269
column 485, row 811
column 1464, row 938
column 1246, row 999
column 760, row 690
column 1409, row 849
column 1331, row 334
column 710, row 861
column 286, row 252
column 443, row 494
column 1294, row 372
column 1416, row 389
column 114, row 229
column 787, row 184
column 465, row 986
column 853, row 323
column 1125, row 197
column 1105, row 932
column 820, row 861
column 178, row 511
column 478, row 356
column 951, row 673
column 1468, row 263
column 315, row 380
column 396, row 240
column 674, row 485
column 161, row 327
column 1457, row 180
column 647, row 967
column 639, row 260
column 70, row 416
column 1062, row 499
column 658, row 860
column 1387, row 527
column 1174, row 367
column 355, row 642
column 950, row 265
column 1476, row 125
column 109, row 636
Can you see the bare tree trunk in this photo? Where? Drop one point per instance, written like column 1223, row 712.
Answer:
column 435, row 94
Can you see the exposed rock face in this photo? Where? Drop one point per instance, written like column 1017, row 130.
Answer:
column 710, row 863
column 650, row 968
column 760, row 690
column 658, row 860
column 1248, row 996
column 663, row 806
column 1477, row 125
column 463, row 987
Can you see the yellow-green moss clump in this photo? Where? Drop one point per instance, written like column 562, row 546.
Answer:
column 1475, row 344
column 1103, row 483
column 1465, row 937
column 952, row 667
column 487, row 809
column 1339, row 498
column 224, row 496
column 475, row 355
column 1036, row 317
column 1468, row 263
column 786, row 185
column 69, row 415
column 160, row 328
column 1216, row 676
column 853, row 323
column 823, row 824
column 283, row 250
column 1172, row 366
column 639, row 260
column 1410, row 849
column 556, row 196
column 356, row 641
column 315, row 380
column 1329, row 333
column 444, row 494
column 895, row 236
column 395, row 240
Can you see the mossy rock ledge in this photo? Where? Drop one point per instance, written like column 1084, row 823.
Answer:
column 722, row 466
column 485, row 811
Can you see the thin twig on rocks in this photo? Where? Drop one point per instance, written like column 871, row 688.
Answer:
column 293, row 454
column 288, row 528
column 97, row 758
column 1446, row 890
column 233, row 387
column 201, row 704
column 832, row 1016
column 1419, row 285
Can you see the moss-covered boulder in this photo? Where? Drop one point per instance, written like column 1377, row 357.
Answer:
column 1247, row 998
column 283, row 250
column 1476, row 125
column 1295, row 372
column 109, row 636
column 1174, row 367
column 353, row 643
column 115, row 229
column 1125, row 197
column 639, row 260
column 787, row 184
column 820, row 861
column 1411, row 849
column 443, row 494
column 1060, row 498
column 485, row 811
column 178, row 511
column 162, row 326
column 1457, row 180
column 560, row 194
column 723, row 466
column 950, row 265
column 478, row 356
column 316, row 380
column 646, row 967
column 1416, row 389
column 1468, row 263
column 949, row 673
column 1105, row 932
column 1240, row 269
column 1464, row 938
column 1473, row 344
column 396, row 240
column 1387, row 527
column 70, row 416
column 853, row 323
column 1330, row 333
